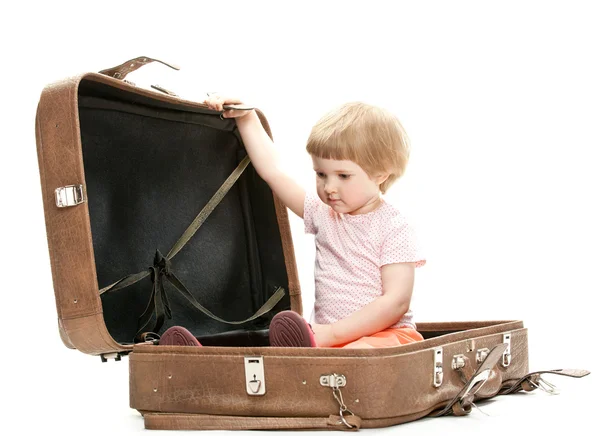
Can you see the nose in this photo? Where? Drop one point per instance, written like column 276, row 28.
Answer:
column 329, row 188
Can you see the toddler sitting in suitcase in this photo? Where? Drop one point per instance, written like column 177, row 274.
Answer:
column 366, row 251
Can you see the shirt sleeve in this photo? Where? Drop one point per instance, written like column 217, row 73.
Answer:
column 311, row 207
column 401, row 245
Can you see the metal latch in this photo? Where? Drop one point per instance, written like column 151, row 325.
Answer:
column 506, row 356
column 482, row 354
column 70, row 195
column 438, row 369
column 337, row 381
column 458, row 361
column 255, row 375
column 333, row 380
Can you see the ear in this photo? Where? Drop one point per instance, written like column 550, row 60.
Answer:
column 380, row 178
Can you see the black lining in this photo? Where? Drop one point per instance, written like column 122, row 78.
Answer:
column 149, row 171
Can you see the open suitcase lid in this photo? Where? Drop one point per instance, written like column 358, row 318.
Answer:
column 128, row 175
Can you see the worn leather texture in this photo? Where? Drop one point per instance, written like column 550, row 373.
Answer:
column 121, row 71
column 178, row 387
column 72, row 109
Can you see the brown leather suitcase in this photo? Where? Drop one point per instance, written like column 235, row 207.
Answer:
column 128, row 174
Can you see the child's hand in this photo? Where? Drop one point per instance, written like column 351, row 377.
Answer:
column 324, row 335
column 231, row 107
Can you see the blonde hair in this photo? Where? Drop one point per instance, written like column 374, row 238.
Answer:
column 367, row 135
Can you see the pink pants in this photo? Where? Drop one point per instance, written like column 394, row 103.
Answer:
column 385, row 338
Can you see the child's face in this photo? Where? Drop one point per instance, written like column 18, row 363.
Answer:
column 346, row 187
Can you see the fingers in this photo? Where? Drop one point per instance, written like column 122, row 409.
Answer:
column 232, row 113
column 216, row 101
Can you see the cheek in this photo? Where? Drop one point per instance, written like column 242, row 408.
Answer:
column 354, row 187
column 358, row 190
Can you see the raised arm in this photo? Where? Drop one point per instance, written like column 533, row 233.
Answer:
column 265, row 159
column 262, row 152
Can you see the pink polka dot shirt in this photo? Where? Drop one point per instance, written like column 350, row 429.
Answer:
column 350, row 250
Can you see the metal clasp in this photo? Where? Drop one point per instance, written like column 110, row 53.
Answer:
column 458, row 361
column 506, row 356
column 336, row 381
column 545, row 386
column 255, row 375
column 482, row 354
column 438, row 369
column 70, row 195
column 333, row 380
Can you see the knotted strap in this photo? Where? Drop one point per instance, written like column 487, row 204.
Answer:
column 159, row 302
column 462, row 403
column 533, row 380
column 162, row 268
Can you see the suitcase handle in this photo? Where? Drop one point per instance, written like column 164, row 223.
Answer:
column 120, row 71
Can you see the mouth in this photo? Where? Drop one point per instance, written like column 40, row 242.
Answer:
column 333, row 200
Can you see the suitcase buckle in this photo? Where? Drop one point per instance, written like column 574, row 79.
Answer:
column 70, row 195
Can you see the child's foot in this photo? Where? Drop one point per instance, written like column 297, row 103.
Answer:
column 177, row 335
column 289, row 329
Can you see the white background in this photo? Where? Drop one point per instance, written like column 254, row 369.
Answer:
column 501, row 101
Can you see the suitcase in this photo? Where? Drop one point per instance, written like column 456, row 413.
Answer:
column 128, row 174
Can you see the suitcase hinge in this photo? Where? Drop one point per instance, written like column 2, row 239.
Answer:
column 70, row 195
column 117, row 356
column 255, row 375
column 506, row 356
column 438, row 368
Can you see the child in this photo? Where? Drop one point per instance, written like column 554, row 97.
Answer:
column 366, row 252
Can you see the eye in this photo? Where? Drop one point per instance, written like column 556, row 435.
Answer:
column 344, row 176
column 320, row 175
